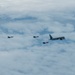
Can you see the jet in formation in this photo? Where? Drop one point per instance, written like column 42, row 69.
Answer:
column 35, row 36
column 57, row 38
column 10, row 37
column 45, row 42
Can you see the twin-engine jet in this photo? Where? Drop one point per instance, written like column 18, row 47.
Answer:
column 45, row 42
column 10, row 36
column 57, row 38
column 35, row 36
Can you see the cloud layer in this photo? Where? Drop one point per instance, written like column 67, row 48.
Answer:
column 24, row 55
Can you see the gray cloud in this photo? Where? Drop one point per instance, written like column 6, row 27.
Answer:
column 24, row 55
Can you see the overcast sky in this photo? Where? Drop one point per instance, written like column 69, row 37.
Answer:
column 24, row 55
column 29, row 16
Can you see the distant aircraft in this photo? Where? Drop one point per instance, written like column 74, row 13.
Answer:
column 57, row 38
column 35, row 36
column 45, row 42
column 10, row 36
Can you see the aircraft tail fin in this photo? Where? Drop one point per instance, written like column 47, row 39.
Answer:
column 51, row 37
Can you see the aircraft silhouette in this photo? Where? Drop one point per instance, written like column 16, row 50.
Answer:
column 10, row 36
column 45, row 42
column 57, row 38
column 35, row 36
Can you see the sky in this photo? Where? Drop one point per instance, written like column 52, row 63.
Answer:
column 24, row 55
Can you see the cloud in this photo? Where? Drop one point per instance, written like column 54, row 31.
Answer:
column 39, row 60
column 25, row 55
column 17, row 8
column 31, row 16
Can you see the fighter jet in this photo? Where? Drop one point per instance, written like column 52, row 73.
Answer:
column 45, row 42
column 35, row 36
column 10, row 36
column 57, row 38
